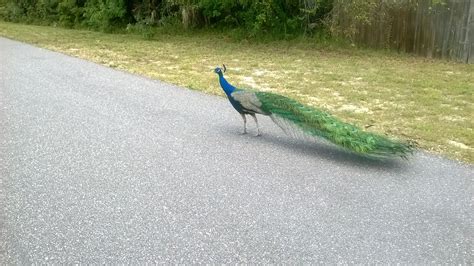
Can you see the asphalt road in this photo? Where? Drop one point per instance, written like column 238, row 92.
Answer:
column 101, row 166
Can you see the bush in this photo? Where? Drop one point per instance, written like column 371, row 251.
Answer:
column 70, row 13
column 105, row 15
column 277, row 18
column 14, row 11
column 45, row 11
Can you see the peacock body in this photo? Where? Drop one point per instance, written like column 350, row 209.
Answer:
column 302, row 121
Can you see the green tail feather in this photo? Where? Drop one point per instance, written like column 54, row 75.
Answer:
column 314, row 122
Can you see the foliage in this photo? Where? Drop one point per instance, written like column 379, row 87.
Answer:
column 105, row 15
column 249, row 18
column 348, row 14
column 70, row 12
column 266, row 16
column 280, row 18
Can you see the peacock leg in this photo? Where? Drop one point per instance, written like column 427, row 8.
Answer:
column 245, row 123
column 256, row 122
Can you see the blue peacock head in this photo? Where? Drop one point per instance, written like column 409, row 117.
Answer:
column 220, row 71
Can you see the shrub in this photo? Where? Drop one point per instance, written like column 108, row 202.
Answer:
column 70, row 12
column 105, row 15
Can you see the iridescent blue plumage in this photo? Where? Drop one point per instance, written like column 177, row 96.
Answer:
column 231, row 91
column 228, row 89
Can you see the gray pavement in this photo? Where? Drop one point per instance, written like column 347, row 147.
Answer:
column 101, row 166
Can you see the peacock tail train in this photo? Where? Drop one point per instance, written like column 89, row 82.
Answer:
column 300, row 121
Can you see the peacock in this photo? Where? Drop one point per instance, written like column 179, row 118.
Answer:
column 299, row 120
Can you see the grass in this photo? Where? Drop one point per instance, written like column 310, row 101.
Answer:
column 426, row 100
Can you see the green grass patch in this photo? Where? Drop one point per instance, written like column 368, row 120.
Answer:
column 429, row 101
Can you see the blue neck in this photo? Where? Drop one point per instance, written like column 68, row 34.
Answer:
column 228, row 89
